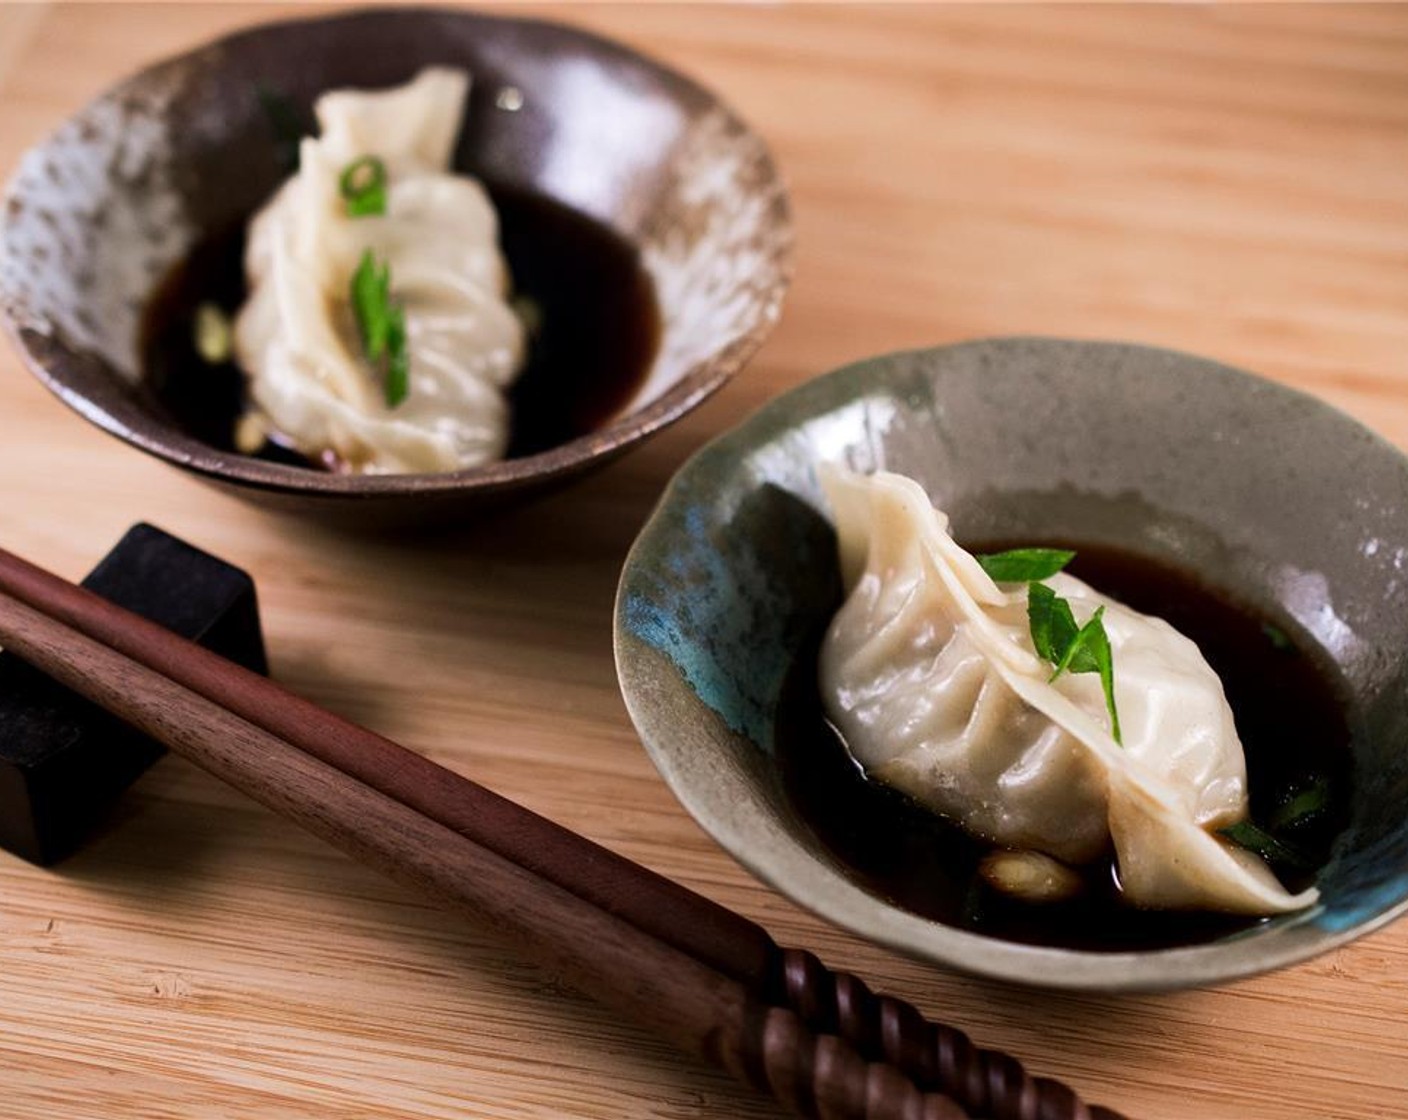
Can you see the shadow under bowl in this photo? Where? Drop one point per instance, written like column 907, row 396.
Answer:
column 102, row 211
column 1271, row 496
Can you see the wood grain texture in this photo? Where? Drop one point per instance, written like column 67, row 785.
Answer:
column 704, row 1010
column 1228, row 180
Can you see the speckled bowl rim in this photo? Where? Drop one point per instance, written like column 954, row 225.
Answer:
column 811, row 883
column 696, row 385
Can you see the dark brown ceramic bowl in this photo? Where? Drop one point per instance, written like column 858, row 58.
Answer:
column 101, row 211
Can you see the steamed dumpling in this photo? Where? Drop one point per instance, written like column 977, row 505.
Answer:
column 929, row 673
column 296, row 337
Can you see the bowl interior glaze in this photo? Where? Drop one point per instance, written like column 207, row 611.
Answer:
column 100, row 211
column 1269, row 494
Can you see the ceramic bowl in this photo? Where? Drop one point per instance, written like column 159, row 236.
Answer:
column 103, row 209
column 1271, row 495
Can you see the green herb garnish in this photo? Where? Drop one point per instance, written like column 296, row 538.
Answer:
column 1297, row 810
column 1079, row 655
column 1088, row 651
column 1024, row 565
column 1095, row 643
column 1301, row 807
column 371, row 302
column 382, row 325
column 363, row 185
column 1054, row 629
column 1277, row 637
column 398, row 368
column 1056, row 636
column 1258, row 840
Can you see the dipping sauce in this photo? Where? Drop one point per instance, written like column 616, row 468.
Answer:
column 596, row 335
column 1290, row 716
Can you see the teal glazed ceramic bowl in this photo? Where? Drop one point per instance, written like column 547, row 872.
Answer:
column 1276, row 498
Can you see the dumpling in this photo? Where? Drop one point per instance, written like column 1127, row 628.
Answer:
column 296, row 337
column 929, row 673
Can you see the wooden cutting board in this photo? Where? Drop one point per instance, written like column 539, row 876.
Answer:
column 1226, row 180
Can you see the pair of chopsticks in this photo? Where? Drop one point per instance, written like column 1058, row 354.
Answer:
column 697, row 973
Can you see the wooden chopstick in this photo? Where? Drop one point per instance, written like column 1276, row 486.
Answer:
column 699, row 1008
column 932, row 1057
column 650, row 901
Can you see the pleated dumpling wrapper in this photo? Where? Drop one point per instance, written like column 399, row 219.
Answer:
column 929, row 672
column 297, row 337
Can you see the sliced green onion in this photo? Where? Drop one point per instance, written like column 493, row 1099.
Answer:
column 382, row 325
column 1258, row 840
column 1301, row 807
column 1277, row 637
column 363, row 185
column 398, row 368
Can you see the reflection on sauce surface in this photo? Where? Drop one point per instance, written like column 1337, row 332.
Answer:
column 1289, row 714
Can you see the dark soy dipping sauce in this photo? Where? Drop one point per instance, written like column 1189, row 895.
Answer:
column 1288, row 710
column 600, row 328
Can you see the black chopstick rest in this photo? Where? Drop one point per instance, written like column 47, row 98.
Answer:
column 62, row 760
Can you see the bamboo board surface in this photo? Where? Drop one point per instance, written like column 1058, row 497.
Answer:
column 1231, row 181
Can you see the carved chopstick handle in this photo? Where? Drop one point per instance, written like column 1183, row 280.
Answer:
column 936, row 1058
column 700, row 1008
column 823, row 1077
